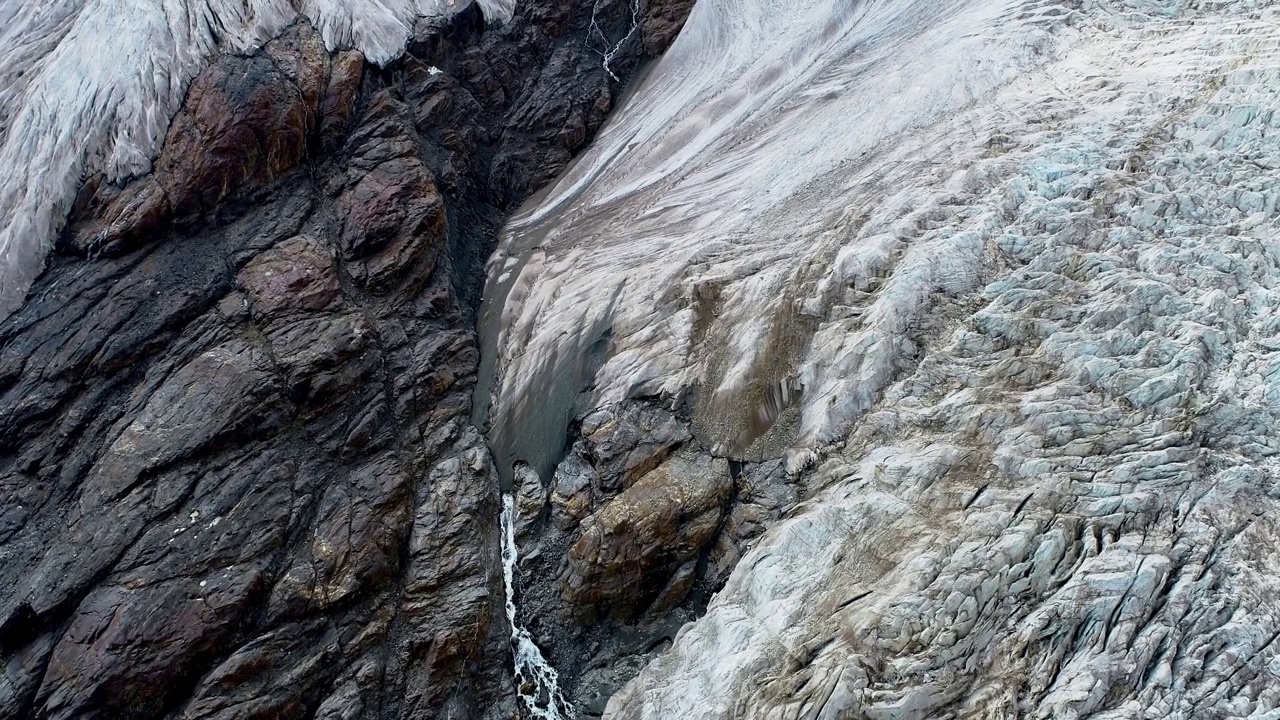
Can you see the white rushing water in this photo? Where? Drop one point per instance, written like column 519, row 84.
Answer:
column 1006, row 275
column 537, row 683
column 89, row 86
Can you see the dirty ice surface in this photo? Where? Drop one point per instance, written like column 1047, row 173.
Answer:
column 999, row 277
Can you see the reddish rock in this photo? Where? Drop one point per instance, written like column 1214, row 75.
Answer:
column 392, row 217
column 245, row 121
column 298, row 274
column 340, row 97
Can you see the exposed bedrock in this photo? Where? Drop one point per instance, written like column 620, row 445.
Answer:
column 237, row 470
column 638, row 526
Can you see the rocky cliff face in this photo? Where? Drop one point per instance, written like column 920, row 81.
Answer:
column 887, row 359
column 628, row 539
column 997, row 279
column 238, row 473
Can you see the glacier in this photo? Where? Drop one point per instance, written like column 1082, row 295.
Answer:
column 999, row 279
column 88, row 87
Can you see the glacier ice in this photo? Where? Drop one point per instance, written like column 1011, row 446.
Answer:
column 89, row 86
column 1000, row 278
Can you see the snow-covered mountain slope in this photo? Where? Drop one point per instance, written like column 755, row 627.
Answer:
column 89, row 87
column 1001, row 276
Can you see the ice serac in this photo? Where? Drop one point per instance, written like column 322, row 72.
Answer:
column 88, row 88
column 999, row 278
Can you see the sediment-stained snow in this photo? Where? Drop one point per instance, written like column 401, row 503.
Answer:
column 703, row 227
column 89, row 86
column 1002, row 275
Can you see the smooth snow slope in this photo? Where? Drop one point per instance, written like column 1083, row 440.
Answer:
column 89, row 86
column 1006, row 274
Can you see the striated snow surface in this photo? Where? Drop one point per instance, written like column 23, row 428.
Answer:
column 89, row 86
column 1001, row 276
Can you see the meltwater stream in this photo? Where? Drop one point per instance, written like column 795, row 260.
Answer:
column 537, row 683
column 1023, row 252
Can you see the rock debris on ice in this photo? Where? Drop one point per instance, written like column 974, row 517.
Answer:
column 1001, row 275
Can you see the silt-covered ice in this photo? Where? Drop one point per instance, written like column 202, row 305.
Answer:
column 1001, row 279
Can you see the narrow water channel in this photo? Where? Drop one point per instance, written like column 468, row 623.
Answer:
column 537, row 683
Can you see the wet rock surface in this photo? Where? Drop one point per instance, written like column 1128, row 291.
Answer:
column 237, row 469
column 637, row 528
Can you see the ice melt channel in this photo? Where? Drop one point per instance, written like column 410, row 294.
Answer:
column 537, row 683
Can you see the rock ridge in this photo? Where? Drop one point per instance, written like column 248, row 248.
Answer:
column 238, row 473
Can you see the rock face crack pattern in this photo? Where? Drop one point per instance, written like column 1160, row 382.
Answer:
column 237, row 473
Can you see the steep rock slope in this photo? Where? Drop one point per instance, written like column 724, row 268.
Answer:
column 998, row 280
column 237, row 469
column 88, row 88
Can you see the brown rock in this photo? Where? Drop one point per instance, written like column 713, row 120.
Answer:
column 630, row 549
column 340, row 97
column 392, row 216
column 624, row 445
column 245, row 121
column 662, row 20
column 300, row 54
column 298, row 274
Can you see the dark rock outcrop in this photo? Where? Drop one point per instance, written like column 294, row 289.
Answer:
column 647, row 538
column 636, row 529
column 237, row 476
column 245, row 122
